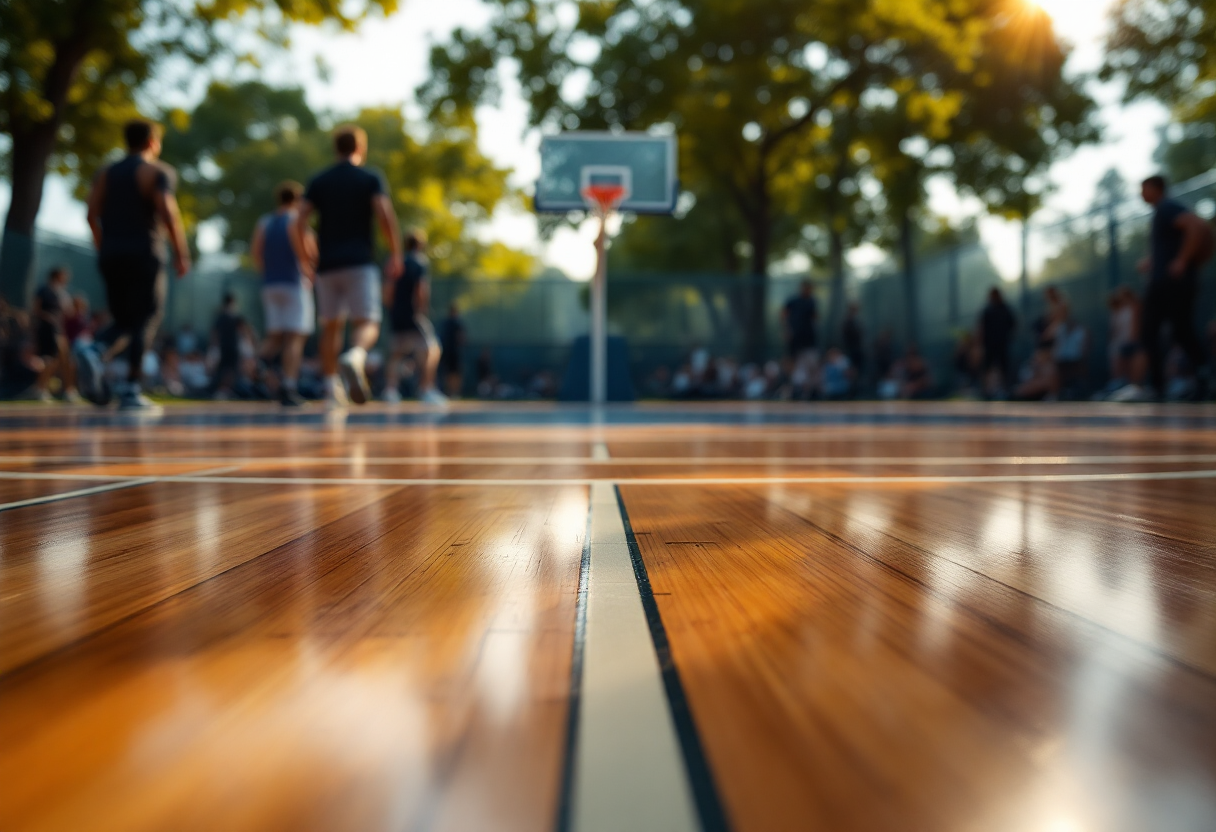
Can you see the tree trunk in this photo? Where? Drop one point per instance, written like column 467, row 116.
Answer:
column 33, row 144
column 31, row 154
column 911, row 302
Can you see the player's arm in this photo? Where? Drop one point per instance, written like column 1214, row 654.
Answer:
column 158, row 180
column 97, row 195
column 302, row 242
column 1193, row 232
column 382, row 206
column 257, row 245
column 422, row 295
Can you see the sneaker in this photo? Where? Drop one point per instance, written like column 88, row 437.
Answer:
column 351, row 367
column 336, row 399
column 72, row 397
column 35, row 395
column 291, row 398
column 91, row 375
column 391, row 395
column 132, row 401
column 434, row 398
column 1131, row 393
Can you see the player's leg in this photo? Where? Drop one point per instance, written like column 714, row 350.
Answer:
column 365, row 312
column 1152, row 321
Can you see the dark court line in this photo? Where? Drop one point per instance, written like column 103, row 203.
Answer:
column 700, row 776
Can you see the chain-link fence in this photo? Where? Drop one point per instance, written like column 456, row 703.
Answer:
column 522, row 328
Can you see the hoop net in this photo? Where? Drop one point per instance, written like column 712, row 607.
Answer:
column 603, row 197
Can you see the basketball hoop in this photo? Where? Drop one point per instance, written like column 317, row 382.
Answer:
column 605, row 187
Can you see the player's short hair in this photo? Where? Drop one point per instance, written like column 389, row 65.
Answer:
column 415, row 239
column 288, row 192
column 1157, row 181
column 57, row 272
column 138, row 133
column 229, row 298
column 349, row 139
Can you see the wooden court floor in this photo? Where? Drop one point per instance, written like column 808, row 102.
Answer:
column 858, row 617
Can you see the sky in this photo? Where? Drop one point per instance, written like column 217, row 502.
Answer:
column 387, row 58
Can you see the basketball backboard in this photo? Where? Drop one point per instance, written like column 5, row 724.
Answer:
column 643, row 164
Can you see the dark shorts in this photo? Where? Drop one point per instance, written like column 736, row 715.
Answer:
column 47, row 339
column 135, row 288
column 1130, row 350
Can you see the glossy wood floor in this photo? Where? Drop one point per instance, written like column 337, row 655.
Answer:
column 947, row 617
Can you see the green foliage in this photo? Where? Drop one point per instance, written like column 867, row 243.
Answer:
column 1163, row 49
column 241, row 141
column 784, row 109
column 74, row 67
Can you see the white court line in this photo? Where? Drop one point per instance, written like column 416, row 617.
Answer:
column 1113, row 459
column 115, row 484
column 207, row 479
column 628, row 768
column 82, row 492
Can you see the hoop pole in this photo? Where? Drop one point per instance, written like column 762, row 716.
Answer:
column 599, row 328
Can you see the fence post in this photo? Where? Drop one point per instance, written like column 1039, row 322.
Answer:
column 1024, row 280
column 953, row 283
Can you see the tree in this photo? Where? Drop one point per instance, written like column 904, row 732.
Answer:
column 70, row 71
column 753, row 89
column 1163, row 49
column 241, row 141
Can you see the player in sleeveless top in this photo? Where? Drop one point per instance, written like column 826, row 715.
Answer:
column 408, row 299
column 131, row 211
column 349, row 202
column 283, row 252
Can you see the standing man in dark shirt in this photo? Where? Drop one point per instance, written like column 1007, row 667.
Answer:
column 409, row 298
column 131, row 210
column 1179, row 243
column 852, row 337
column 801, row 317
column 51, row 303
column 997, row 324
column 451, row 342
column 349, row 201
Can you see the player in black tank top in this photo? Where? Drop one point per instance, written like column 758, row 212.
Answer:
column 131, row 211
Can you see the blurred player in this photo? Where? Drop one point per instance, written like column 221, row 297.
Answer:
column 278, row 249
column 1179, row 244
column 349, row 201
column 131, row 211
column 409, row 300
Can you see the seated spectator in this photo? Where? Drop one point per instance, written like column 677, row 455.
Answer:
column 836, row 380
column 1040, row 379
column 916, row 381
column 1069, row 350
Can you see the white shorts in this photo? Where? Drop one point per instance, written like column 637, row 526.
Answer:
column 288, row 309
column 349, row 293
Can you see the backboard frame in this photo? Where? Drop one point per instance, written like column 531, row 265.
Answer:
column 549, row 205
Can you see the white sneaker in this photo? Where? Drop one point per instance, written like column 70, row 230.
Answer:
column 73, row 397
column 434, row 398
column 351, row 367
column 391, row 395
column 1130, row 393
column 336, row 399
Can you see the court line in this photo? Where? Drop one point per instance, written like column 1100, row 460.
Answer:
column 1114, row 459
column 212, row 479
column 700, row 775
column 629, row 772
column 82, row 492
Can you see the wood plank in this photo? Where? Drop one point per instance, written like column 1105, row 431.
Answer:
column 404, row 665
column 891, row 658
